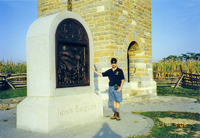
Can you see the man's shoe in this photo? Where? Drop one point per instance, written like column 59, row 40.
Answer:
column 118, row 117
column 114, row 116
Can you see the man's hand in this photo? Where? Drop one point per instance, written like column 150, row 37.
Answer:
column 119, row 89
column 97, row 72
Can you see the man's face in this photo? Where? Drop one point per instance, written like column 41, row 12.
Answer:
column 114, row 65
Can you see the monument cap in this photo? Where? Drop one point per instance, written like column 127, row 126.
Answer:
column 113, row 60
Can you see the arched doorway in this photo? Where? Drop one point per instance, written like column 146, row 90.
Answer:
column 133, row 47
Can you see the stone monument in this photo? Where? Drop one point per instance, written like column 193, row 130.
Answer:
column 120, row 29
column 60, row 79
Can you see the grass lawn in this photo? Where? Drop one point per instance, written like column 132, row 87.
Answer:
column 181, row 92
column 165, row 130
column 10, row 93
column 161, row 91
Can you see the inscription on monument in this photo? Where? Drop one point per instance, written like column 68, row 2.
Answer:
column 77, row 109
column 72, row 54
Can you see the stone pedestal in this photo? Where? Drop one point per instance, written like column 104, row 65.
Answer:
column 46, row 107
column 45, row 114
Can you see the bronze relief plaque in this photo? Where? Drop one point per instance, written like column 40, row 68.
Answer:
column 72, row 54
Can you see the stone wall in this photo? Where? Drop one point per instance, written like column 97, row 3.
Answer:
column 10, row 103
column 48, row 7
column 119, row 28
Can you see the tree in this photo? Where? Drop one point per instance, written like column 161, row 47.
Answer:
column 191, row 55
column 197, row 56
column 185, row 57
column 180, row 58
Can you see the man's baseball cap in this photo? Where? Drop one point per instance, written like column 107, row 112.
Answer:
column 113, row 60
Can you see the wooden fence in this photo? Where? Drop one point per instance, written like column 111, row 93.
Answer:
column 187, row 81
column 166, row 81
column 17, row 80
column 191, row 81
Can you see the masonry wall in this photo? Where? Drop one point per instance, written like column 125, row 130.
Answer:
column 48, row 7
column 119, row 28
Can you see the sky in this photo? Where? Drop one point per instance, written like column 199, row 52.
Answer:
column 175, row 27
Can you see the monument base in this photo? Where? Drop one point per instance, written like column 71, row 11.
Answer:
column 46, row 114
column 130, row 89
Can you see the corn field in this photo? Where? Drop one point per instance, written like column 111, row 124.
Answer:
column 190, row 66
column 173, row 68
column 17, row 71
column 10, row 67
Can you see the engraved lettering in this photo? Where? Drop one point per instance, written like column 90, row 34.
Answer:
column 77, row 109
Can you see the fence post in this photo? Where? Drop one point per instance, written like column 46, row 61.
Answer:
column 181, row 69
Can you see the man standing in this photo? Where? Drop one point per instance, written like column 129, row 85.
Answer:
column 116, row 77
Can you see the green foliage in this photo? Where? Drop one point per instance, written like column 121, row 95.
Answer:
column 182, row 92
column 189, row 66
column 190, row 63
column 185, row 57
column 6, row 94
column 10, row 67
